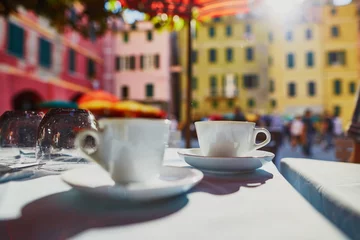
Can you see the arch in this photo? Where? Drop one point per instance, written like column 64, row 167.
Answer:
column 26, row 100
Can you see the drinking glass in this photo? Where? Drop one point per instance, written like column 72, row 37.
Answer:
column 56, row 135
column 18, row 134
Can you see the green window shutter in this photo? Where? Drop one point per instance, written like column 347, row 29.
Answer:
column 15, row 41
column 149, row 90
column 337, row 110
column 231, row 103
column 194, row 83
column 126, row 37
column 352, row 88
column 236, row 84
column 251, row 103
column 223, row 85
column 213, row 86
column 72, row 60
column 214, row 104
column 337, row 87
column 149, row 35
column 90, row 68
column 195, row 104
column 273, row 103
column 45, row 54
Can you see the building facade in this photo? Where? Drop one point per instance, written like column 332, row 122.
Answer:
column 307, row 59
column 38, row 64
column 142, row 64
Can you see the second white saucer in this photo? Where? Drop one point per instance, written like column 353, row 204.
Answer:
column 94, row 180
column 225, row 165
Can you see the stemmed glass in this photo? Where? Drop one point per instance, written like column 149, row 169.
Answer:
column 18, row 134
column 56, row 136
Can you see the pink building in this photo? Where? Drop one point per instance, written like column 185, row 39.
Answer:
column 142, row 64
column 37, row 63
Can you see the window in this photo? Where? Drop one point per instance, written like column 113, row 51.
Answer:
column 270, row 37
column 229, row 54
column 251, row 103
column 117, row 63
column 72, row 60
column 230, row 103
column 142, row 61
column 270, row 61
column 352, row 88
column 194, row 83
column 249, row 54
column 289, row 36
column 212, row 55
column 311, row 89
column 149, row 35
column 211, row 32
column 45, row 54
column 337, row 110
column 333, row 11
column 126, row 37
column 217, row 19
column 15, row 40
column 291, row 89
column 271, row 86
column 290, row 60
column 248, row 29
column 124, row 92
column 310, row 59
column 149, row 90
column 308, row 34
column 132, row 62
column 336, row 58
column 335, row 31
column 157, row 61
column 273, row 103
column 127, row 62
column 228, row 30
column 195, row 104
column 213, row 86
column 250, row 81
column 214, row 104
column 194, row 56
column 90, row 68
column 337, row 87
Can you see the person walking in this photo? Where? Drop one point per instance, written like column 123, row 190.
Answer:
column 338, row 126
column 309, row 132
column 328, row 131
column 296, row 130
column 239, row 115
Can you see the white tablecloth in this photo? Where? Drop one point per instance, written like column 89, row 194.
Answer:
column 333, row 188
column 261, row 205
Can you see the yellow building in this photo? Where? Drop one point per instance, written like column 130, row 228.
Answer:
column 307, row 60
column 341, row 59
column 229, row 67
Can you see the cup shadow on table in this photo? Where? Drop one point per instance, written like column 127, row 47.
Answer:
column 66, row 214
column 228, row 184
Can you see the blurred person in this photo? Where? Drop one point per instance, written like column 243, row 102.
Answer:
column 276, row 122
column 296, row 130
column 328, row 128
column 174, row 124
column 338, row 126
column 309, row 132
column 239, row 115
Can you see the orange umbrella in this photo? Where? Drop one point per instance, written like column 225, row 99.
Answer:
column 97, row 95
column 136, row 109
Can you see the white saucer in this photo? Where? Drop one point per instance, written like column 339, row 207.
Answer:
column 225, row 165
column 94, row 180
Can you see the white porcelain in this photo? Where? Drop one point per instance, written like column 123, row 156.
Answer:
column 170, row 182
column 229, row 138
column 130, row 150
column 255, row 160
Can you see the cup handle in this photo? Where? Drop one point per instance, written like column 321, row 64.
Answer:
column 265, row 142
column 79, row 142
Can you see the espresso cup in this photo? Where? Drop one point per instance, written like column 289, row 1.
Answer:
column 130, row 150
column 229, row 138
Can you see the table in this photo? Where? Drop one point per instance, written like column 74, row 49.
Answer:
column 259, row 205
column 333, row 188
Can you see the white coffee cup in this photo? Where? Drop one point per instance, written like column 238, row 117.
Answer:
column 229, row 138
column 131, row 150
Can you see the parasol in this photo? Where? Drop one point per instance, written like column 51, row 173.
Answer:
column 97, row 95
column 184, row 9
column 57, row 104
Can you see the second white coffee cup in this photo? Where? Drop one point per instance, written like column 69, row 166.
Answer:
column 131, row 150
column 229, row 138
